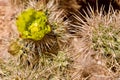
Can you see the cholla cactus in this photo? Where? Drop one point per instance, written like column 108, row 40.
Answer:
column 42, row 25
column 41, row 31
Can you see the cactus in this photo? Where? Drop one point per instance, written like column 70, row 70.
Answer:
column 41, row 30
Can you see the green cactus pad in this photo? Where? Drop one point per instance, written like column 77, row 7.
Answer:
column 32, row 24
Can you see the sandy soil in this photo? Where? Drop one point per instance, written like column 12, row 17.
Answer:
column 7, row 28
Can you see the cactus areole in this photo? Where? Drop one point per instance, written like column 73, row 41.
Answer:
column 33, row 24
